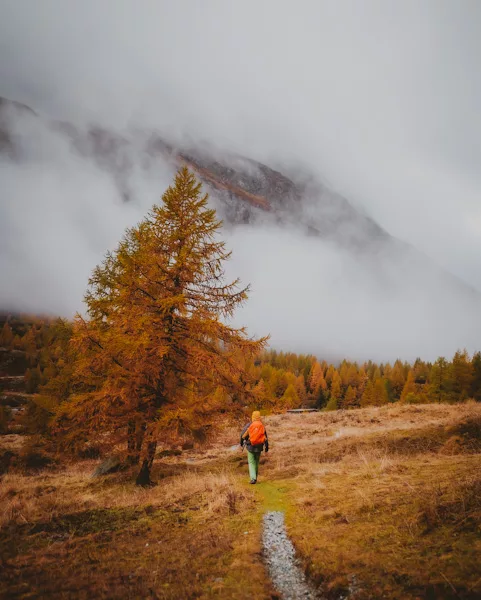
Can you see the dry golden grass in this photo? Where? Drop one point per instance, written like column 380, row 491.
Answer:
column 67, row 535
column 402, row 528
column 306, row 428
column 27, row 499
column 380, row 502
column 391, row 508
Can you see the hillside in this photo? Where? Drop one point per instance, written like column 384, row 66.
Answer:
column 245, row 187
column 379, row 502
column 88, row 183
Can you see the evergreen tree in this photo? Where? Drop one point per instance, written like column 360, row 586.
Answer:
column 332, row 404
column 362, row 379
column 439, row 381
column 461, row 373
column 367, row 398
column 33, row 380
column 17, row 342
column 398, row 379
column 410, row 391
column 301, row 388
column 6, row 336
column 317, row 384
column 344, row 373
column 58, row 358
column 350, row 398
column 290, row 398
column 353, row 376
column 476, row 380
column 369, row 367
column 278, row 382
column 420, row 371
column 329, row 374
column 29, row 345
column 387, row 372
column 261, row 394
column 389, row 391
column 155, row 345
column 379, row 394
column 336, row 388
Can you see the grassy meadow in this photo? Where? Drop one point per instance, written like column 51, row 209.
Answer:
column 380, row 502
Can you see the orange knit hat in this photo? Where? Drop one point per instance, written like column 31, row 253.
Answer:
column 256, row 415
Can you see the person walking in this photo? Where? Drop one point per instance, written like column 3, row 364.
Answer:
column 254, row 437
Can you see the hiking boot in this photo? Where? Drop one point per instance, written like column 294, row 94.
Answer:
column 253, row 481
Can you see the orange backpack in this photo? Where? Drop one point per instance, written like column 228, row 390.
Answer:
column 257, row 433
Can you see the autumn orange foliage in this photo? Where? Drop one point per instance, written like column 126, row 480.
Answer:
column 156, row 356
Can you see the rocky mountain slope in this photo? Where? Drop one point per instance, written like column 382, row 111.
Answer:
column 248, row 190
column 294, row 238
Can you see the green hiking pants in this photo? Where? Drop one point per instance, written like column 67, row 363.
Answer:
column 253, row 459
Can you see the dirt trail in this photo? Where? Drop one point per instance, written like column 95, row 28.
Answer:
column 279, row 553
column 284, row 569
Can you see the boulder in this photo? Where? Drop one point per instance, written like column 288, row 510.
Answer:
column 112, row 464
column 171, row 452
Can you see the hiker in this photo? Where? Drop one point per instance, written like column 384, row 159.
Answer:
column 254, row 437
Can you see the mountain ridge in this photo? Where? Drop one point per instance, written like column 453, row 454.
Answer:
column 251, row 183
column 320, row 263
column 246, row 189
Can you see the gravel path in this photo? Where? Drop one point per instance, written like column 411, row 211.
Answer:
column 286, row 574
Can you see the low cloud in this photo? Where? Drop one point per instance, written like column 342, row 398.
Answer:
column 335, row 88
column 315, row 297
column 62, row 212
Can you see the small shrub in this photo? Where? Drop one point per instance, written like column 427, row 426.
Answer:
column 466, row 434
column 91, row 451
column 7, row 457
column 412, row 398
column 35, row 419
column 34, row 456
column 332, row 404
column 454, row 445
column 458, row 504
column 231, row 502
column 4, row 418
column 200, row 434
column 471, row 428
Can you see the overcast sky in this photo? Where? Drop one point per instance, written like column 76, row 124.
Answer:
column 379, row 98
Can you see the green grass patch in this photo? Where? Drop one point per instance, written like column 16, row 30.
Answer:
column 273, row 495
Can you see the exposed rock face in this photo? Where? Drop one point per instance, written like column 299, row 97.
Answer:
column 254, row 182
column 248, row 191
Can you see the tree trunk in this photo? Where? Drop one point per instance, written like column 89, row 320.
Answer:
column 143, row 478
column 139, row 437
column 132, row 455
column 135, row 439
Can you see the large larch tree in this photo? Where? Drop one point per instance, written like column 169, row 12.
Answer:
column 156, row 351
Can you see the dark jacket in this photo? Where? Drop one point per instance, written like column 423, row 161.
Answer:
column 249, row 446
